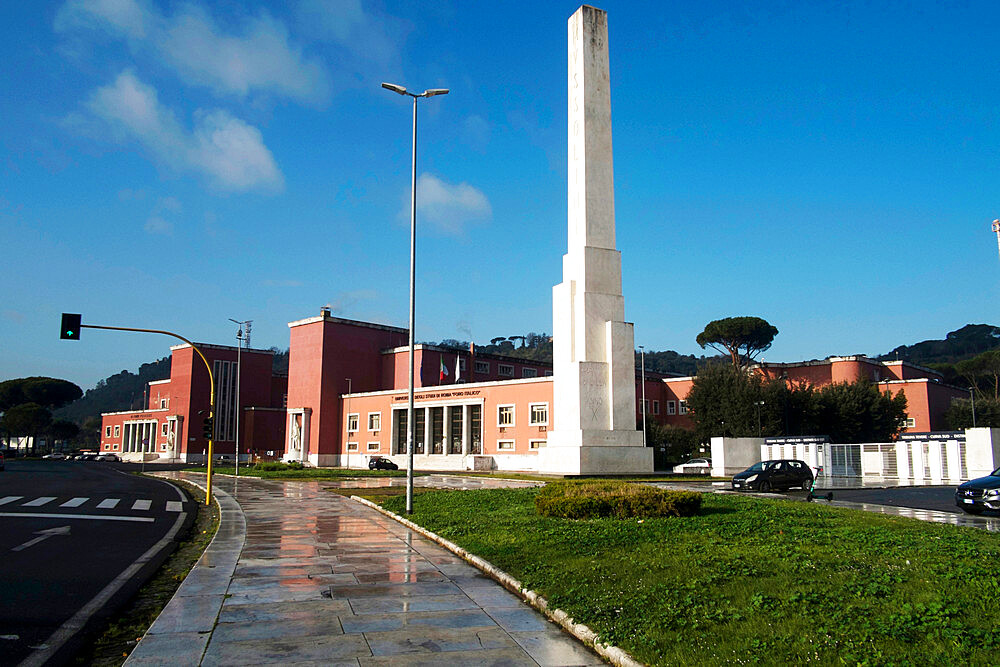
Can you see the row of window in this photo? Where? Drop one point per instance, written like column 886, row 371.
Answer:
column 538, row 415
column 503, row 370
column 118, row 430
column 502, row 445
column 672, row 407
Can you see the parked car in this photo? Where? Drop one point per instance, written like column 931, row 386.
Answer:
column 980, row 494
column 55, row 456
column 108, row 456
column 694, row 467
column 381, row 463
column 776, row 474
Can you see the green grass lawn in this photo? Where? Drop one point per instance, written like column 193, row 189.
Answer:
column 749, row 580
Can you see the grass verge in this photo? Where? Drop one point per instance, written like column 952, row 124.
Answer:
column 749, row 580
column 112, row 644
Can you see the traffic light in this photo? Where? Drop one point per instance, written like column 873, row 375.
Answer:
column 70, row 326
column 207, row 429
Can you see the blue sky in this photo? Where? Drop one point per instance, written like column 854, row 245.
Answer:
column 831, row 167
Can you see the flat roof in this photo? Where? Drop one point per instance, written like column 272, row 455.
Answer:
column 326, row 317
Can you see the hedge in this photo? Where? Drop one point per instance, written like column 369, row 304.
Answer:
column 621, row 500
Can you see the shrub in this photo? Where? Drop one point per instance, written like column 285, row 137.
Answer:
column 621, row 500
column 270, row 466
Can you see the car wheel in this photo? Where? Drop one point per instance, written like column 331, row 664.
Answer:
column 806, row 485
column 765, row 487
column 972, row 510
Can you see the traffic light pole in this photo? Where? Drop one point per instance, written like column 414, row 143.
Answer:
column 211, row 383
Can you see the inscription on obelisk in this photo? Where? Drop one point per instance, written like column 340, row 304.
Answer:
column 594, row 363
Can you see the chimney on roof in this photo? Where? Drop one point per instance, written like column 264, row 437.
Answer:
column 325, row 311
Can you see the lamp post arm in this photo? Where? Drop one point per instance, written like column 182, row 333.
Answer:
column 211, row 385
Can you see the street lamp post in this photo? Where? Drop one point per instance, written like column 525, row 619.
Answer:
column 642, row 357
column 239, row 366
column 410, row 427
column 972, row 397
column 758, row 404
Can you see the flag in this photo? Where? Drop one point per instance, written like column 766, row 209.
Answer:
column 458, row 369
column 444, row 370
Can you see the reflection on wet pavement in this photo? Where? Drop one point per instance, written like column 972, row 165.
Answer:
column 321, row 579
column 434, row 482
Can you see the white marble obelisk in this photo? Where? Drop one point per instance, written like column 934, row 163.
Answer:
column 593, row 346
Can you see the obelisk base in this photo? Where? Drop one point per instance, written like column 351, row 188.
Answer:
column 595, row 452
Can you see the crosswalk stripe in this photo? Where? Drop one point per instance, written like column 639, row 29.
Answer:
column 175, row 506
column 37, row 502
column 75, row 502
column 108, row 503
column 9, row 499
column 142, row 504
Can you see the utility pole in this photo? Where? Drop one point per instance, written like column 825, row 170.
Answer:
column 240, row 338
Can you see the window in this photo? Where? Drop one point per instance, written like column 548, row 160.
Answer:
column 163, row 429
column 538, row 414
column 536, row 444
column 683, row 405
column 163, row 403
column 645, row 406
column 505, row 415
column 107, row 431
column 548, row 373
column 476, row 429
column 114, row 447
column 908, row 422
column 656, row 407
column 505, row 370
column 373, row 446
column 483, row 367
column 529, row 373
column 374, row 421
column 352, row 446
column 671, row 407
column 462, row 364
column 118, row 430
column 284, row 400
column 505, row 445
column 352, row 422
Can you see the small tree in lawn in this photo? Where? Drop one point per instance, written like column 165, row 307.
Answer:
column 742, row 338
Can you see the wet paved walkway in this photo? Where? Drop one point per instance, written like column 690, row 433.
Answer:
column 302, row 576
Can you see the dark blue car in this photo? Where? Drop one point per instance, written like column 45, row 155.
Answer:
column 978, row 495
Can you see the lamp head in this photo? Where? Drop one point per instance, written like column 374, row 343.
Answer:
column 394, row 88
column 434, row 91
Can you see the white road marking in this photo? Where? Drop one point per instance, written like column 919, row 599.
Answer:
column 95, row 517
column 75, row 502
column 37, row 502
column 175, row 506
column 9, row 499
column 108, row 503
column 42, row 535
column 142, row 504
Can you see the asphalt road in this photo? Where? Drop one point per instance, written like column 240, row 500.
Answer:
column 77, row 540
column 940, row 498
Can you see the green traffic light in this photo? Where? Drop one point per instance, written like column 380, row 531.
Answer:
column 70, row 329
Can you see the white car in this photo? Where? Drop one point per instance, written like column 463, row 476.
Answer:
column 694, row 467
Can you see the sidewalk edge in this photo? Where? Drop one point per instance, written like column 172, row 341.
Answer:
column 580, row 631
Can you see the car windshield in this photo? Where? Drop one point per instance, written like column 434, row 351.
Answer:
column 995, row 473
column 757, row 467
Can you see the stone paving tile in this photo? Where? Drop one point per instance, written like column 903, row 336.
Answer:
column 302, row 626
column 275, row 611
column 399, row 576
column 395, row 590
column 438, row 640
column 494, row 597
column 326, row 650
column 555, row 649
column 188, row 614
column 427, row 603
column 281, row 570
column 465, row 618
column 520, row 619
column 484, row 658
column 242, row 585
column 170, row 649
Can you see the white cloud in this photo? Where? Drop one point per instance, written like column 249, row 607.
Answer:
column 449, row 207
column 346, row 23
column 157, row 225
column 227, row 150
column 169, row 204
column 255, row 57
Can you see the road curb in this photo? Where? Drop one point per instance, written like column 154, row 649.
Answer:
column 609, row 652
